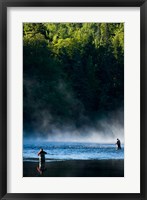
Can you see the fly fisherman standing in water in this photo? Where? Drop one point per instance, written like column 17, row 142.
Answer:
column 118, row 143
column 41, row 155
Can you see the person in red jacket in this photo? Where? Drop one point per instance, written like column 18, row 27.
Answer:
column 41, row 155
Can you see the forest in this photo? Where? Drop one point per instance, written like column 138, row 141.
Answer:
column 73, row 74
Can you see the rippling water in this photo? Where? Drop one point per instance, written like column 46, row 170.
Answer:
column 71, row 151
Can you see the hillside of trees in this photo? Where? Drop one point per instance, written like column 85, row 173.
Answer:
column 73, row 73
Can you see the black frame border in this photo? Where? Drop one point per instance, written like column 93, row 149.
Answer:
column 4, row 4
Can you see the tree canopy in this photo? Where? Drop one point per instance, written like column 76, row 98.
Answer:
column 73, row 73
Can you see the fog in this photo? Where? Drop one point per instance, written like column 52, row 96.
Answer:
column 104, row 130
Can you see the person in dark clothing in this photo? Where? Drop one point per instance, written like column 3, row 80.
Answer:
column 41, row 155
column 118, row 143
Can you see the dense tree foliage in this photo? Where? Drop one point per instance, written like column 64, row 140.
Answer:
column 73, row 73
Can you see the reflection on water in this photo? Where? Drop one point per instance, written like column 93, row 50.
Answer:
column 41, row 170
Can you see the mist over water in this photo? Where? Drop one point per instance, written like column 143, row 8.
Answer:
column 103, row 131
column 87, row 142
